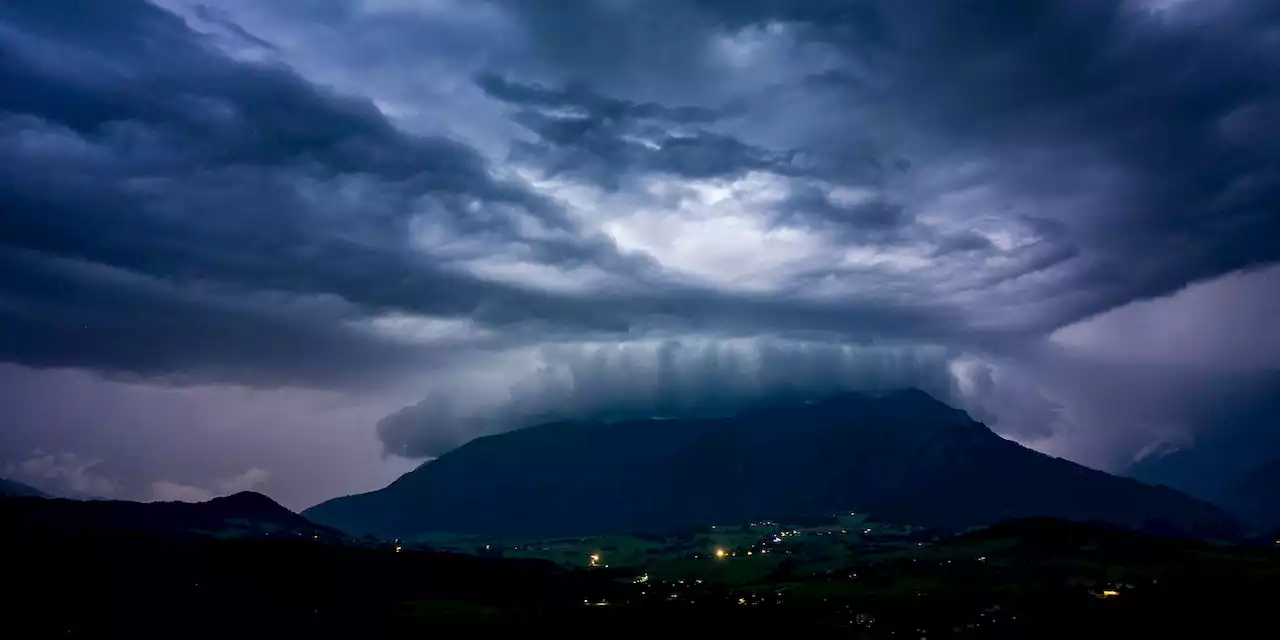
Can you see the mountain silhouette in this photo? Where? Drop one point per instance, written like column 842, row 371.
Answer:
column 9, row 488
column 902, row 456
column 245, row 514
column 1256, row 498
column 1242, row 432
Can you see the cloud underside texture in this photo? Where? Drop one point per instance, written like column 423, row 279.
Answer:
column 795, row 193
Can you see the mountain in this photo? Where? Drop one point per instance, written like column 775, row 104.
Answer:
column 1242, row 431
column 244, row 514
column 902, row 456
column 11, row 489
column 1256, row 498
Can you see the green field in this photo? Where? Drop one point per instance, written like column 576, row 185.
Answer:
column 738, row 554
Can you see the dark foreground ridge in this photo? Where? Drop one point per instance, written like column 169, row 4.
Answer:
column 245, row 514
column 902, row 456
column 1026, row 579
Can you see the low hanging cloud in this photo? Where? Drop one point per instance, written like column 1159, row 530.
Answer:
column 65, row 473
column 167, row 491
column 654, row 379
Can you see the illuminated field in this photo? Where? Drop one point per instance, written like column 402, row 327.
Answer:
column 734, row 554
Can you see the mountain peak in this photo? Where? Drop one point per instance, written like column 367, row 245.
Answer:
column 247, row 498
column 922, row 402
column 903, row 456
column 249, row 504
column 912, row 394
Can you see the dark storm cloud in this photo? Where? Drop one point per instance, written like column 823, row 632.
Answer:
column 607, row 139
column 1145, row 126
column 1152, row 95
column 815, row 208
column 219, row 18
column 964, row 242
column 788, row 172
column 60, row 313
column 1130, row 140
column 578, row 96
column 129, row 144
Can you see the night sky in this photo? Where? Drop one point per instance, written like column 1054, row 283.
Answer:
column 301, row 246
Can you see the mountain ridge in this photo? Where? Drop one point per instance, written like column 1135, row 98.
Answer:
column 1256, row 498
column 901, row 455
column 12, row 488
column 244, row 514
column 1238, row 434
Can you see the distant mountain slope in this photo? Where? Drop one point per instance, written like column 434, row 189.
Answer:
column 1256, row 499
column 903, row 456
column 13, row 489
column 1241, row 432
column 245, row 514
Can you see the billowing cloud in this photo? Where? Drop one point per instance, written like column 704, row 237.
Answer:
column 667, row 378
column 168, row 491
column 522, row 210
column 65, row 473
column 246, row 481
column 199, row 185
column 1224, row 323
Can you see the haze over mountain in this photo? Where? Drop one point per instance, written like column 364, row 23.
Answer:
column 902, row 456
column 1256, row 497
column 1241, row 435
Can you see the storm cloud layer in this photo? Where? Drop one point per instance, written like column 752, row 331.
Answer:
column 496, row 211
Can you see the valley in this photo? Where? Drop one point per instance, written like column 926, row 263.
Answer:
column 844, row 573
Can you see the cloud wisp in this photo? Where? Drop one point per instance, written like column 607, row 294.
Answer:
column 65, row 473
column 168, row 491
